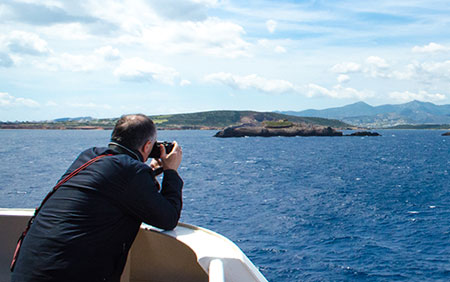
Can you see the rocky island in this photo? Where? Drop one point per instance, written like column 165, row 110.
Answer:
column 364, row 133
column 267, row 131
column 446, row 134
column 283, row 128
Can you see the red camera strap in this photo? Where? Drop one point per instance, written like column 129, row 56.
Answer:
column 72, row 174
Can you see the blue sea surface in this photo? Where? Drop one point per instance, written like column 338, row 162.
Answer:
column 301, row 208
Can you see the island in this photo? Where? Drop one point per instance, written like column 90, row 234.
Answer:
column 364, row 133
column 283, row 128
column 446, row 134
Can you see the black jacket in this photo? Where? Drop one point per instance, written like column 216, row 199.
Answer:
column 86, row 228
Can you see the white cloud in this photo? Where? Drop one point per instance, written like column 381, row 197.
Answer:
column 377, row 62
column 406, row 74
column 437, row 68
column 346, row 67
column 376, row 67
column 273, row 86
column 337, row 92
column 342, row 78
column 430, row 48
column 182, row 10
column 108, row 53
column 70, row 62
column 210, row 37
column 67, row 31
column 373, row 66
column 263, row 42
column 140, row 70
column 421, row 95
column 9, row 100
column 185, row 82
column 280, row 49
column 27, row 43
column 427, row 72
column 251, row 81
column 271, row 25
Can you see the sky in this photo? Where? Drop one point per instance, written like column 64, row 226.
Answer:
column 107, row 58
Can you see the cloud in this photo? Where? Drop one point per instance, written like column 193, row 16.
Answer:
column 47, row 13
column 337, row 92
column 407, row 96
column 9, row 100
column 346, row 67
column 71, row 62
column 210, row 37
column 377, row 62
column 140, row 70
column 67, row 31
column 430, row 48
column 251, row 81
column 22, row 42
column 426, row 72
column 271, row 25
column 280, row 49
column 182, row 10
column 108, row 53
column 5, row 60
column 376, row 67
column 185, row 82
column 437, row 69
column 342, row 78
column 373, row 66
column 275, row 86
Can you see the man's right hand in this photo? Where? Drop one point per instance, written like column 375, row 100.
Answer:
column 173, row 159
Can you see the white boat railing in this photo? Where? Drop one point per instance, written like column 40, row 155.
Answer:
column 187, row 253
column 216, row 273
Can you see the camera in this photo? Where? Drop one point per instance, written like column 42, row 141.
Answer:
column 156, row 152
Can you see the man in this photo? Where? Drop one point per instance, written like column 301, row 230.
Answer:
column 86, row 228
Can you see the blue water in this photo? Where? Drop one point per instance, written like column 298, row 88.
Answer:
column 302, row 209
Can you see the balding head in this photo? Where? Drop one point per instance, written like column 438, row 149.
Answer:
column 133, row 131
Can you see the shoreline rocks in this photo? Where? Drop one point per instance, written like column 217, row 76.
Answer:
column 363, row 133
column 260, row 130
column 252, row 130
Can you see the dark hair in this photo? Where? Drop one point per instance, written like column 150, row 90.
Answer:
column 132, row 131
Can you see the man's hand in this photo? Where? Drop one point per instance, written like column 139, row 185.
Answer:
column 155, row 164
column 173, row 159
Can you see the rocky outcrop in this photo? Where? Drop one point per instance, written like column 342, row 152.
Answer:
column 261, row 130
column 363, row 133
column 446, row 134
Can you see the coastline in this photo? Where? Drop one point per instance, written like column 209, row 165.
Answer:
column 62, row 127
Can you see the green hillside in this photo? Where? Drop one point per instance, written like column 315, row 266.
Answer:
column 218, row 119
column 200, row 120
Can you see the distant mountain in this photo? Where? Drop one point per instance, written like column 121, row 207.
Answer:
column 363, row 114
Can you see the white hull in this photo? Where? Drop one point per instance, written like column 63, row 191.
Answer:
column 187, row 253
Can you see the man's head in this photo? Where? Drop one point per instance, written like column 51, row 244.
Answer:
column 137, row 132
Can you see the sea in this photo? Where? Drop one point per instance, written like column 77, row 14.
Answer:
column 301, row 208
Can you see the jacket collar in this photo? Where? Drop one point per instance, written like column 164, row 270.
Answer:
column 121, row 149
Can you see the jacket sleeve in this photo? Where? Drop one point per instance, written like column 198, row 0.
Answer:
column 159, row 209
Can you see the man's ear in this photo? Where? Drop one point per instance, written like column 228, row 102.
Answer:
column 148, row 147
